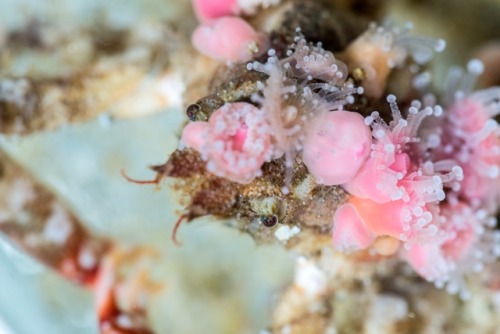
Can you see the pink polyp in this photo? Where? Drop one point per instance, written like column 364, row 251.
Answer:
column 427, row 260
column 460, row 244
column 377, row 179
column 236, row 141
column 460, row 224
column 349, row 231
column 358, row 222
column 208, row 10
column 228, row 39
column 336, row 145
column 381, row 219
column 469, row 135
column 464, row 243
column 469, row 115
column 401, row 163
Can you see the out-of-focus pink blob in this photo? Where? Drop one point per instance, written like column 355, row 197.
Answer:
column 337, row 143
column 471, row 138
column 427, row 260
column 228, row 39
column 462, row 244
column 462, row 227
column 236, row 141
column 208, row 10
column 468, row 114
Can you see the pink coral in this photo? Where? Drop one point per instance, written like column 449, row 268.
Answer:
column 358, row 222
column 469, row 134
column 337, row 143
column 398, row 189
column 229, row 39
column 465, row 243
column 235, row 141
column 209, row 10
column 390, row 174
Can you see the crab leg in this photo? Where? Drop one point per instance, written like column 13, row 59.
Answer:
column 39, row 223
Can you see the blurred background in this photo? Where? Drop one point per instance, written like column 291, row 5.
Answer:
column 219, row 281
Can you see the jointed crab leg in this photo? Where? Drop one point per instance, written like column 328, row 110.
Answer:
column 35, row 220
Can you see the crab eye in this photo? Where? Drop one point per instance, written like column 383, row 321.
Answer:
column 192, row 112
column 269, row 221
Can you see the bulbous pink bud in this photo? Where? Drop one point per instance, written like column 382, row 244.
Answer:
column 337, row 144
column 209, row 10
column 228, row 39
column 374, row 182
column 236, row 141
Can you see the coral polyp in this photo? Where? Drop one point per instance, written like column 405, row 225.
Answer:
column 465, row 244
column 308, row 81
column 235, row 141
column 337, row 144
column 396, row 168
column 470, row 135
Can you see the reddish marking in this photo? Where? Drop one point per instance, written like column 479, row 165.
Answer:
column 109, row 309
column 239, row 139
column 128, row 178
column 176, row 227
column 109, row 312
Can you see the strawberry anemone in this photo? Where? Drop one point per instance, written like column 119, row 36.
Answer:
column 397, row 190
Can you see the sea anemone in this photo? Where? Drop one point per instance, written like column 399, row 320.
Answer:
column 464, row 244
column 209, row 10
column 397, row 190
column 398, row 167
column 236, row 141
column 307, row 82
column 469, row 134
column 359, row 222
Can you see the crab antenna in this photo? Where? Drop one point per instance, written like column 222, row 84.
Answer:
column 156, row 180
column 176, row 227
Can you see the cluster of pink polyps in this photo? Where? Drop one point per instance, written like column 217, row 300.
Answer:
column 427, row 181
column 300, row 104
column 431, row 183
column 395, row 190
